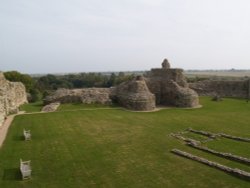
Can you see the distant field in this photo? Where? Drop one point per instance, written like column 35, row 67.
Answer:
column 218, row 73
column 118, row 148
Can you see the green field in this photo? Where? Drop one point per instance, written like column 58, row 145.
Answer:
column 118, row 148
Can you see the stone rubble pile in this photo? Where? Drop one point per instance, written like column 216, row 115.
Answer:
column 51, row 107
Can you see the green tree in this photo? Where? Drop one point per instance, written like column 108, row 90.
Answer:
column 35, row 95
column 15, row 76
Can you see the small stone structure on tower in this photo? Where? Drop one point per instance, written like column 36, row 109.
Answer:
column 170, row 87
column 165, row 64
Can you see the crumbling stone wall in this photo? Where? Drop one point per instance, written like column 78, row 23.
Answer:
column 87, row 96
column 12, row 95
column 170, row 87
column 135, row 95
column 163, row 86
column 239, row 89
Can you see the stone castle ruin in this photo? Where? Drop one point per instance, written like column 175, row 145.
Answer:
column 170, row 87
column 12, row 95
column 161, row 86
column 135, row 95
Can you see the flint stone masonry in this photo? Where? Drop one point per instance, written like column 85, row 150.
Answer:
column 238, row 89
column 51, row 107
column 204, row 133
column 135, row 95
column 187, row 140
column 86, row 96
column 221, row 154
column 234, row 137
column 165, row 64
column 163, row 86
column 171, row 88
column 12, row 95
column 233, row 171
column 213, row 135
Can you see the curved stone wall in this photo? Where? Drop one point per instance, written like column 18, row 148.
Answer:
column 135, row 95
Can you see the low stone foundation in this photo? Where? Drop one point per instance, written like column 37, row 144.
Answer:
column 204, row 133
column 221, row 154
column 234, row 137
column 233, row 171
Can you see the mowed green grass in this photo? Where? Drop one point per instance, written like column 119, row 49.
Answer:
column 32, row 107
column 118, row 148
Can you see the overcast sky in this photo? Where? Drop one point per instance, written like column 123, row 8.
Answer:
column 49, row 36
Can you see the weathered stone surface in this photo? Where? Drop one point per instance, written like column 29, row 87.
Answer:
column 51, row 107
column 135, row 95
column 233, row 171
column 163, row 86
column 187, row 140
column 204, row 133
column 165, row 64
column 86, row 96
column 235, row 137
column 239, row 89
column 171, row 88
column 216, row 98
column 12, row 95
column 221, row 154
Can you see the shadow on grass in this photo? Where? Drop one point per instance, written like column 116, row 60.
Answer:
column 18, row 138
column 12, row 174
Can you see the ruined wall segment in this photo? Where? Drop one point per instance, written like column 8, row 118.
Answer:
column 12, row 95
column 86, row 96
column 223, row 88
column 163, row 86
column 135, row 95
column 170, row 87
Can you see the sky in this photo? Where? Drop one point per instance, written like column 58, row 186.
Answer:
column 58, row 36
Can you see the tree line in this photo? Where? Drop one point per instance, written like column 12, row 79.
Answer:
column 40, row 87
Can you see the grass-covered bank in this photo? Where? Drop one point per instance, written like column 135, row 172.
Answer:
column 117, row 148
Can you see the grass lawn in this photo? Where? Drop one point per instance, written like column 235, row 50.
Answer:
column 118, row 148
column 32, row 107
column 78, row 106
